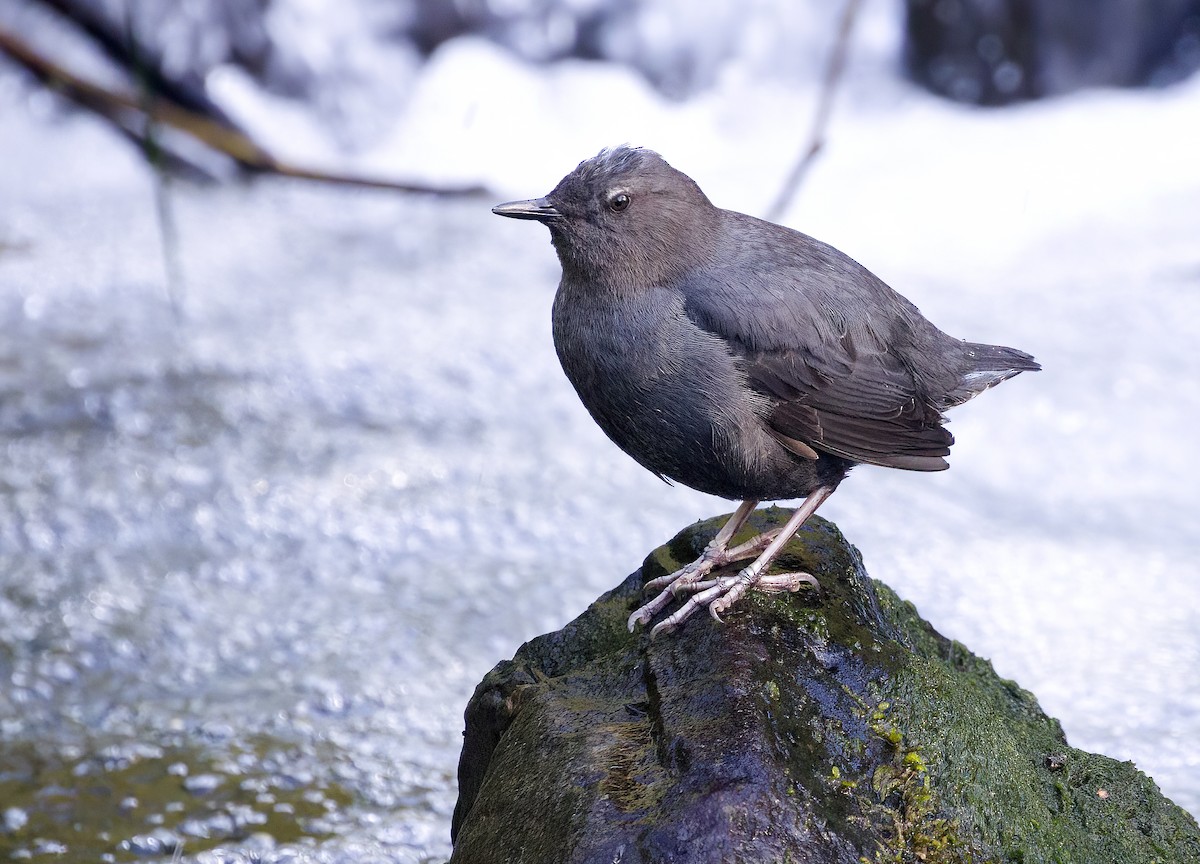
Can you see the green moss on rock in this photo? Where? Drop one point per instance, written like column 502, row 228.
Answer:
column 993, row 746
column 767, row 739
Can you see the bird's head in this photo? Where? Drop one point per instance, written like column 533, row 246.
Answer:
column 623, row 216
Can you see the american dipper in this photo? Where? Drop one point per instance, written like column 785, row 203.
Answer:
column 740, row 357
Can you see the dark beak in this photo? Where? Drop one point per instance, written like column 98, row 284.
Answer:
column 539, row 209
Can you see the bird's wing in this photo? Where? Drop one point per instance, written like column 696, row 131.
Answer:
column 870, row 412
column 827, row 349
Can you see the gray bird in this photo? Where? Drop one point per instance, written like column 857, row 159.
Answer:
column 740, row 357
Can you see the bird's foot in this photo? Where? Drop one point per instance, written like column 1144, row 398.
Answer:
column 719, row 595
column 686, row 578
column 776, row 583
column 689, row 573
column 679, row 581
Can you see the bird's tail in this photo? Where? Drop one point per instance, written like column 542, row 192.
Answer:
column 986, row 366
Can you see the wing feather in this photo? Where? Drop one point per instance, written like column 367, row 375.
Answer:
column 827, row 346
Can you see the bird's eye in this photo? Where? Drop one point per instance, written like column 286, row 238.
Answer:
column 619, row 202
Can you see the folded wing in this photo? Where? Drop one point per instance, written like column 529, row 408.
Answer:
column 848, row 366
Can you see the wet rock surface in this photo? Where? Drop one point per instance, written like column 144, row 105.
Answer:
column 830, row 726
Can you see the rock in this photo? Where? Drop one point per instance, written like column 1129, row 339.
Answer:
column 992, row 52
column 831, row 726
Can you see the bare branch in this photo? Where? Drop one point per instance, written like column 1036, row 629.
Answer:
column 816, row 138
column 133, row 116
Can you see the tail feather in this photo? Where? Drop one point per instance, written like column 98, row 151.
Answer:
column 985, row 367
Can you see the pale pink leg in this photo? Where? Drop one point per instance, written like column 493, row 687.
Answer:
column 719, row 595
column 716, row 554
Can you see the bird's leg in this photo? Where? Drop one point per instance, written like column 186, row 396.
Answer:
column 720, row 594
column 753, row 574
column 750, row 549
column 676, row 584
column 716, row 554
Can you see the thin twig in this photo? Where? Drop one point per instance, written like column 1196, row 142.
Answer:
column 167, row 229
column 816, row 138
column 131, row 115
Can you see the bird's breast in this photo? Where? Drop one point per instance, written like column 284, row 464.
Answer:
column 631, row 348
column 668, row 393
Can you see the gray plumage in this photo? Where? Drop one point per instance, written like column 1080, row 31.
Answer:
column 737, row 356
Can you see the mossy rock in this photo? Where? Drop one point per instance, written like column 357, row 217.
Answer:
column 822, row 726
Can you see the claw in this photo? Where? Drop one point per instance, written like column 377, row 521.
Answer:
column 659, row 629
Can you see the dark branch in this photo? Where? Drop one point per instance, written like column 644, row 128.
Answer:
column 118, row 43
column 134, row 117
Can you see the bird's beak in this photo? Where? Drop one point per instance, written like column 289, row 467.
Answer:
column 537, row 208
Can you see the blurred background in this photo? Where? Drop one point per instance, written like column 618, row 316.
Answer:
column 287, row 462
